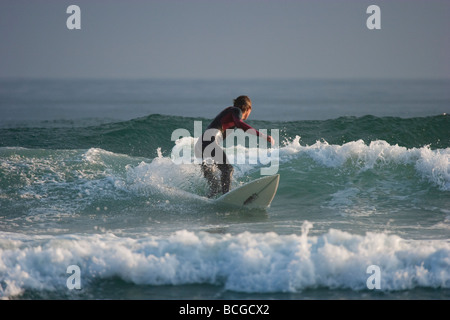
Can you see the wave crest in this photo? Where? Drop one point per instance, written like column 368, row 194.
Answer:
column 246, row 262
column 432, row 165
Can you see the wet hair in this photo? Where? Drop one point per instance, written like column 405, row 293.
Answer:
column 242, row 102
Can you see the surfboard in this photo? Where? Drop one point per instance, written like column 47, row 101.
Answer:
column 258, row 193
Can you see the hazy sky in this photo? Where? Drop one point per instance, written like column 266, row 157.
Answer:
column 224, row 39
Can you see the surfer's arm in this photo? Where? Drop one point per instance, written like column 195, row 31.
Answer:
column 242, row 125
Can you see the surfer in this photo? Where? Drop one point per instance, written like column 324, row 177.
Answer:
column 212, row 155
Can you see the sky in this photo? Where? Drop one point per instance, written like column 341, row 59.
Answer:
column 225, row 39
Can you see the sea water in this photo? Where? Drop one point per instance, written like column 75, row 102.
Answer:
column 87, row 179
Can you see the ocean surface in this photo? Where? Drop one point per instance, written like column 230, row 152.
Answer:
column 88, row 179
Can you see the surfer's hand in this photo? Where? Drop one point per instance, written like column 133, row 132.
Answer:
column 271, row 140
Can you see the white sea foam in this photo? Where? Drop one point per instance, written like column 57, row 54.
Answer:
column 432, row 165
column 161, row 175
column 246, row 262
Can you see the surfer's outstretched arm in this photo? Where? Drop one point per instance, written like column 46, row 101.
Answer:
column 244, row 126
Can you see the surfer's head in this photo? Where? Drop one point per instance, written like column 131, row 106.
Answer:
column 245, row 104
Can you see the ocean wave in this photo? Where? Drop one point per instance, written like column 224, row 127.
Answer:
column 142, row 136
column 246, row 262
column 431, row 165
column 71, row 179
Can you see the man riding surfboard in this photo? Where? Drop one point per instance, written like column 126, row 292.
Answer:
column 212, row 155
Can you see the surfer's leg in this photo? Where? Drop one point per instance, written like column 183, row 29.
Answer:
column 213, row 181
column 214, row 157
column 226, row 173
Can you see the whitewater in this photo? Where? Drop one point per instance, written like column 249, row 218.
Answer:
column 214, row 253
